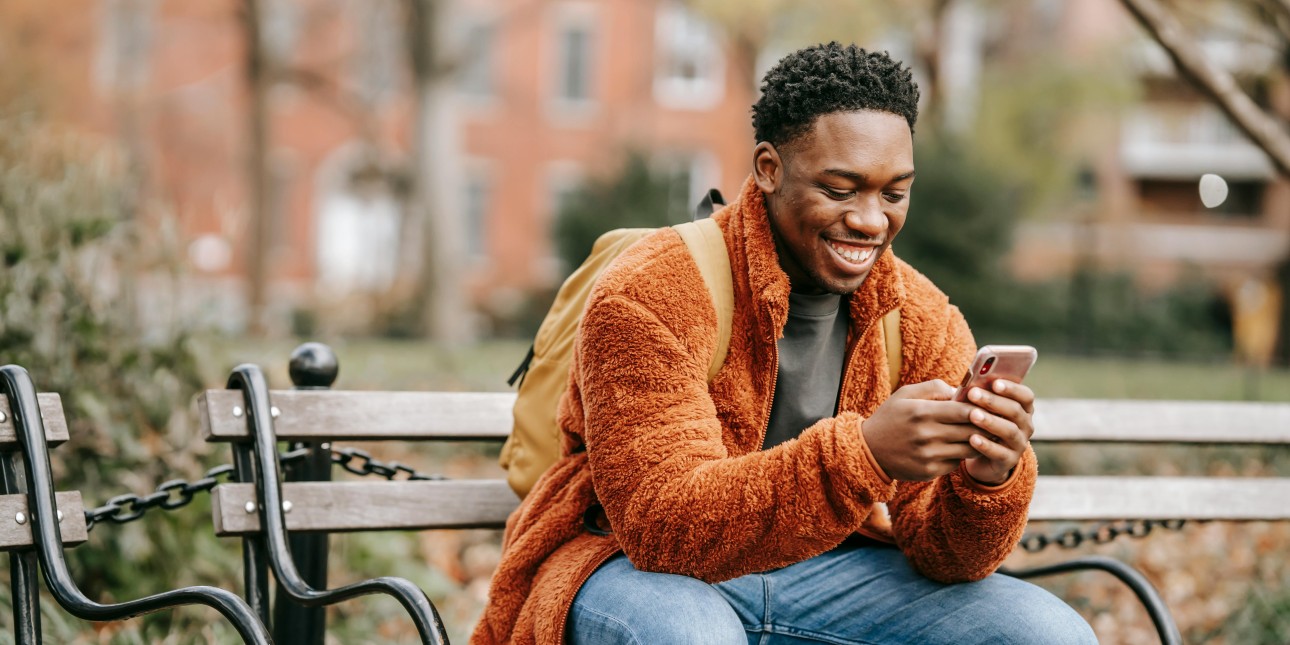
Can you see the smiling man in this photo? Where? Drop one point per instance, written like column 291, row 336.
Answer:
column 754, row 508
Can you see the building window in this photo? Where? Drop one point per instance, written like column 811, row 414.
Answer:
column 477, row 78
column 689, row 73
column 475, row 210
column 1181, row 197
column 690, row 176
column 563, row 181
column 573, row 73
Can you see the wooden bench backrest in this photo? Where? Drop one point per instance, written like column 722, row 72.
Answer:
column 328, row 415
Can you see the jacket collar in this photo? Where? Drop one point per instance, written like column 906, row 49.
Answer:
column 754, row 264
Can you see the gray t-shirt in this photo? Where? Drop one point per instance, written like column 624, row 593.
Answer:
column 811, row 357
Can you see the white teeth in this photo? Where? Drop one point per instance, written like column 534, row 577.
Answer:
column 858, row 257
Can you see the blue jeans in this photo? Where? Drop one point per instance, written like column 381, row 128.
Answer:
column 866, row 594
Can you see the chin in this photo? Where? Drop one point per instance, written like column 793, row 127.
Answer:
column 837, row 286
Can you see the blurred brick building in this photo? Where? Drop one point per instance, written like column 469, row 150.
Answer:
column 1142, row 210
column 546, row 93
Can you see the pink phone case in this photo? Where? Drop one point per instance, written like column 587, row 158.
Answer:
column 993, row 362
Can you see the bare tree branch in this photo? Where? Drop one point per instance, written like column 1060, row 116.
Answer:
column 1268, row 132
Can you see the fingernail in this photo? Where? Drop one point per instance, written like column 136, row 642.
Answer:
column 1000, row 386
column 975, row 394
column 976, row 439
column 978, row 416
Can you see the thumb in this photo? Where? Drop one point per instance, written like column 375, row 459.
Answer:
column 934, row 390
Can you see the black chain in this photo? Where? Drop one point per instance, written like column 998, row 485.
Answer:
column 171, row 495
column 360, row 462
column 178, row 493
column 1102, row 533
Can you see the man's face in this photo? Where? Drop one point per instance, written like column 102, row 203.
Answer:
column 837, row 196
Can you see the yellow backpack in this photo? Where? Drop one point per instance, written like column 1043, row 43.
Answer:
column 534, row 443
column 543, row 377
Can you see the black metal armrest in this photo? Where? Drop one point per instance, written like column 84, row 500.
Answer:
column 48, row 540
column 1142, row 588
column 264, row 468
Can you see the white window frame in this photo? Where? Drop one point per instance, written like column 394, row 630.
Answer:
column 678, row 31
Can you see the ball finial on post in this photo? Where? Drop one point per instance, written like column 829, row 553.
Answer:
column 313, row 365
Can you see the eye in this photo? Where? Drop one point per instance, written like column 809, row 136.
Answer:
column 837, row 194
column 894, row 198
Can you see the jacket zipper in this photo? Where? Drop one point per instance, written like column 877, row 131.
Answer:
column 846, row 375
column 770, row 403
column 851, row 351
column 582, row 580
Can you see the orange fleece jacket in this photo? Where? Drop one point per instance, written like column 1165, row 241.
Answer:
column 676, row 461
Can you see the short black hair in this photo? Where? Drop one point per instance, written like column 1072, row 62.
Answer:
column 823, row 79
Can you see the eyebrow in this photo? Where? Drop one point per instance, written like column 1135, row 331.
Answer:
column 861, row 177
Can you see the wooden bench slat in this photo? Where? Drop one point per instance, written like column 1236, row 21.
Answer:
column 383, row 505
column 416, row 505
column 1159, row 498
column 361, row 416
column 347, row 415
column 14, row 535
column 1161, row 421
column 51, row 413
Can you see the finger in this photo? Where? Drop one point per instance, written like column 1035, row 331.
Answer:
column 1004, row 407
column 998, row 453
column 1017, row 392
column 949, row 412
column 1005, row 430
column 997, row 404
column 934, row 390
column 955, row 452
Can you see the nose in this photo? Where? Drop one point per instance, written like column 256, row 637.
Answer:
column 867, row 218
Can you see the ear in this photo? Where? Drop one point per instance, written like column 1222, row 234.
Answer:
column 768, row 167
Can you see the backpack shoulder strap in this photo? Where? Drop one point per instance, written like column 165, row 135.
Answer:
column 706, row 244
column 891, row 340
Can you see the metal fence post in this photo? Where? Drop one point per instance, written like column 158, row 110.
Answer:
column 313, row 367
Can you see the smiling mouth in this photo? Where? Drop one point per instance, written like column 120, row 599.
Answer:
column 853, row 254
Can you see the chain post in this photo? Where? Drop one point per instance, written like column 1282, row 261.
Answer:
column 313, row 366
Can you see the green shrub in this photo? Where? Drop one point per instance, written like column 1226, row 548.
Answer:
column 67, row 316
column 638, row 196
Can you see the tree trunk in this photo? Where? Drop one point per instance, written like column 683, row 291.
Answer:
column 258, row 75
column 438, row 302
column 1267, row 131
column 131, row 25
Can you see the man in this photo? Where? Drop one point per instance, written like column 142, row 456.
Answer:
column 744, row 510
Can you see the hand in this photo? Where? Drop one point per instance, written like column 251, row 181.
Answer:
column 1006, row 414
column 920, row 433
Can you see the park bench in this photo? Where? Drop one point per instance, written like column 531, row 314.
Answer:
column 293, row 539
column 37, row 523
column 312, row 417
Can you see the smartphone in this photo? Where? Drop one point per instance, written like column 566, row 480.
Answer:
column 993, row 362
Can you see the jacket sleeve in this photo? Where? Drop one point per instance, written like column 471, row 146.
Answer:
column 675, row 499
column 953, row 528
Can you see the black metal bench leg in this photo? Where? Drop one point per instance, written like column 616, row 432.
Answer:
column 47, row 537
column 24, row 576
column 255, row 560
column 25, row 592
column 1147, row 594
